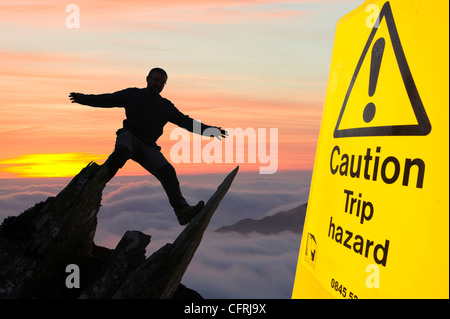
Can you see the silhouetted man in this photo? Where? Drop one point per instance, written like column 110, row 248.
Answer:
column 146, row 114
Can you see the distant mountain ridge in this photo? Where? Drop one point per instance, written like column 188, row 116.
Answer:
column 291, row 220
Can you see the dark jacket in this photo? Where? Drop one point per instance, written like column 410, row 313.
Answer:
column 146, row 112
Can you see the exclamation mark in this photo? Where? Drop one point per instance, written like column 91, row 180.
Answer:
column 377, row 55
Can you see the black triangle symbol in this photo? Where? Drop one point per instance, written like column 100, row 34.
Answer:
column 423, row 127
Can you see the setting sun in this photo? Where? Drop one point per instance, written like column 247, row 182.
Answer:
column 48, row 165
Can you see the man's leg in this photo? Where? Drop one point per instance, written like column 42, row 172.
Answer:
column 168, row 178
column 122, row 153
column 155, row 163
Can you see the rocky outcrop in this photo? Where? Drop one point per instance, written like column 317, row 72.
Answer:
column 129, row 254
column 37, row 246
column 162, row 272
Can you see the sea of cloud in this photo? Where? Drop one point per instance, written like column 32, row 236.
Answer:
column 226, row 265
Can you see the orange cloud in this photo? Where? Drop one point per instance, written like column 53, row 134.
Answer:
column 94, row 14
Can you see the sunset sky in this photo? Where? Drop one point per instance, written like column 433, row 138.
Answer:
column 235, row 64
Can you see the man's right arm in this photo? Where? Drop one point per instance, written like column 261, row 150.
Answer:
column 116, row 99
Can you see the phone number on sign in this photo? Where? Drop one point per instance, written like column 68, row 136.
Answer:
column 339, row 287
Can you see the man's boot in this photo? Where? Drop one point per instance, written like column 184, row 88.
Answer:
column 167, row 176
column 186, row 213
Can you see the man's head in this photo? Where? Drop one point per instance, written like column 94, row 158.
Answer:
column 156, row 79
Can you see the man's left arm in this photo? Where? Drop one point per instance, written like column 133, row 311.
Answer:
column 194, row 126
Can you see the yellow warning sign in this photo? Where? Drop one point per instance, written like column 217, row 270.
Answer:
column 377, row 224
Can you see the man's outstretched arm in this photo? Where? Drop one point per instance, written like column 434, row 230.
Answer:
column 117, row 99
column 215, row 131
column 197, row 127
column 206, row 130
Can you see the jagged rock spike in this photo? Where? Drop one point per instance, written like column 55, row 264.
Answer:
column 160, row 275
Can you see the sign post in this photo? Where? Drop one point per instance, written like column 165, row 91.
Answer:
column 377, row 224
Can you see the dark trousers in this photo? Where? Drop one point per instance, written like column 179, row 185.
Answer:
column 128, row 146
